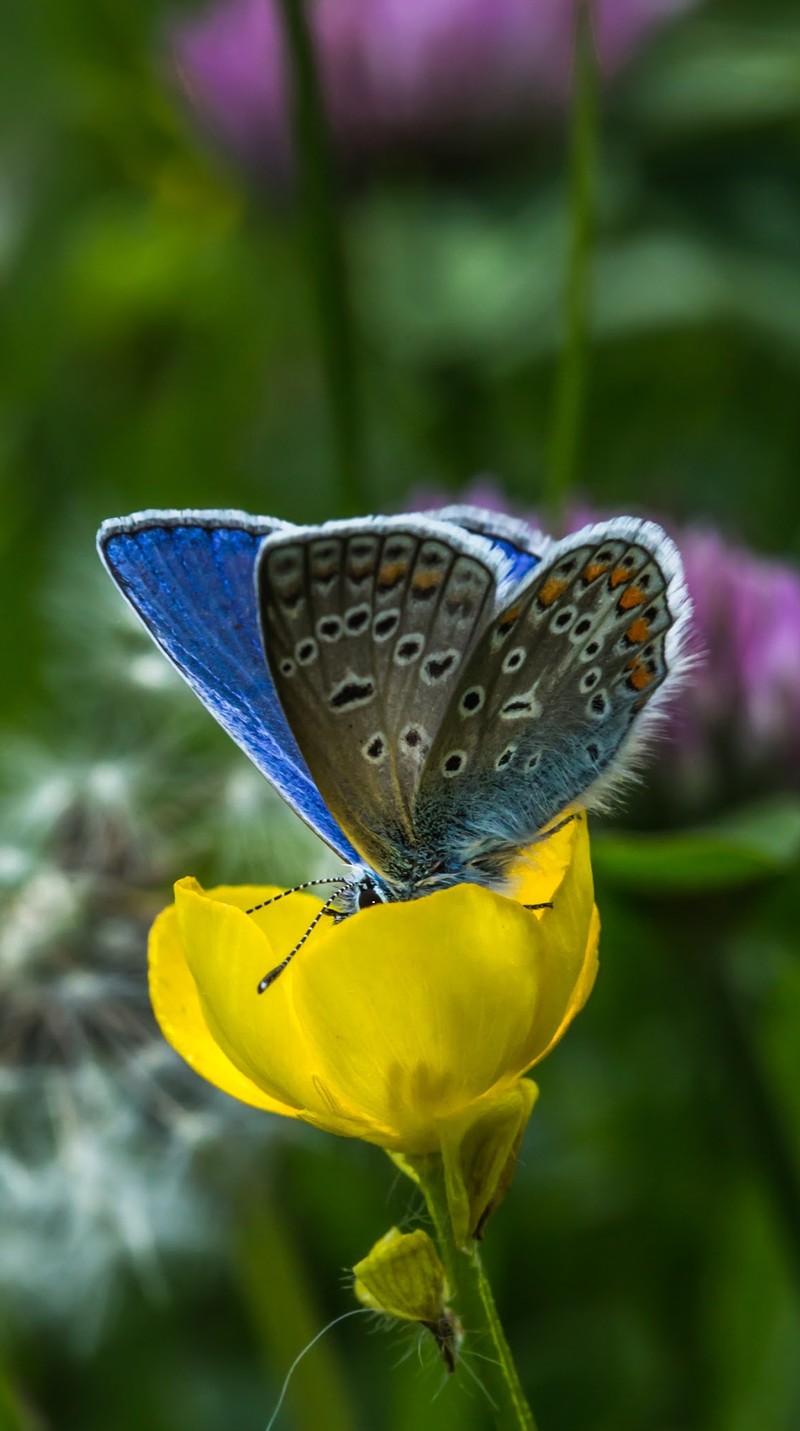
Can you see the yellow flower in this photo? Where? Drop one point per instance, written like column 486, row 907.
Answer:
column 408, row 1025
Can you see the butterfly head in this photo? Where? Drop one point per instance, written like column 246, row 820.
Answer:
column 359, row 893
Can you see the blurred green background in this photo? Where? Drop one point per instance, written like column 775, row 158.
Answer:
column 159, row 348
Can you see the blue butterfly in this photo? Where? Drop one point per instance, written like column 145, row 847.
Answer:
column 427, row 691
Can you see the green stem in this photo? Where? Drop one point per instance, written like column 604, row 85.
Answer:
column 570, row 381
column 325, row 254
column 475, row 1307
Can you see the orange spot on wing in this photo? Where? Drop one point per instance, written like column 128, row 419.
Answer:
column 634, row 596
column 509, row 618
column 639, row 678
column 551, row 591
column 426, row 580
column 638, row 631
column 618, row 576
column 391, row 572
column 594, row 569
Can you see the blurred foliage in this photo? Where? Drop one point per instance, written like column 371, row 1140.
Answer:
column 158, row 349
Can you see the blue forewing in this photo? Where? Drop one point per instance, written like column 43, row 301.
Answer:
column 189, row 578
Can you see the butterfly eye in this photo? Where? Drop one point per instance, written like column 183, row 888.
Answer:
column 368, row 895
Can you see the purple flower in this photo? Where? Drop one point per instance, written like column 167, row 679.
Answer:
column 395, row 71
column 734, row 725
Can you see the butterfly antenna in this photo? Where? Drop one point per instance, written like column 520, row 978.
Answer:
column 279, row 968
column 308, row 884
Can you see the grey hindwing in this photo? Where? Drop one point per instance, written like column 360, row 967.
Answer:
column 366, row 628
column 552, row 691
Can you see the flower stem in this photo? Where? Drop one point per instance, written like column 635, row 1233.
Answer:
column 475, row 1306
column 570, row 381
column 325, row 253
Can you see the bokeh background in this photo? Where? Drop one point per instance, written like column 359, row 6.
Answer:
column 164, row 1254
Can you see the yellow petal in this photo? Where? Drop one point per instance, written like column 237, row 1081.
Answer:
column 416, row 1010
column 176, row 1005
column 228, row 952
column 570, row 957
column 394, row 1022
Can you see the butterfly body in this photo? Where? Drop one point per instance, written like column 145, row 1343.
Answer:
column 429, row 692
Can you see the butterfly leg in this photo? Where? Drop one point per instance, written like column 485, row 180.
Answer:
column 554, row 829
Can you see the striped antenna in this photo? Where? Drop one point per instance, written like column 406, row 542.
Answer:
column 309, row 883
column 279, row 968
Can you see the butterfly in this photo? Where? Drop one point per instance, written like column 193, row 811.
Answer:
column 428, row 691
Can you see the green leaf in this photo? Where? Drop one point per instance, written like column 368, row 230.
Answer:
column 750, row 844
column 717, row 75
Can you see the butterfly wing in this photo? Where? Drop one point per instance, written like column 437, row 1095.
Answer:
column 189, row 576
column 555, row 687
column 518, row 543
column 367, row 626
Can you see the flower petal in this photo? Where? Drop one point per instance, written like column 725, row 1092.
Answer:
column 397, row 1021
column 413, row 1011
column 570, row 956
column 177, row 1008
column 228, row 953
